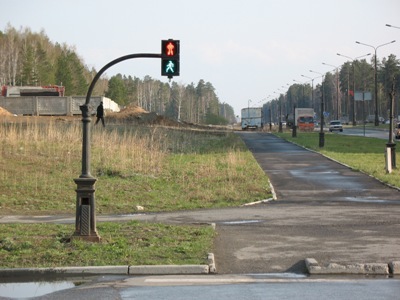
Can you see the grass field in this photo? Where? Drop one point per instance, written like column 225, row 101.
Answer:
column 129, row 243
column 157, row 168
column 153, row 167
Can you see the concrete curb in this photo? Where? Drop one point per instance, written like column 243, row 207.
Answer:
column 274, row 197
column 314, row 268
column 211, row 263
column 64, row 271
column 115, row 270
column 169, row 270
column 394, row 267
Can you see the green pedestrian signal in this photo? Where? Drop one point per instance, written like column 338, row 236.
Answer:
column 170, row 58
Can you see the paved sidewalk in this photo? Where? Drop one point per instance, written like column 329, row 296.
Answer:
column 324, row 211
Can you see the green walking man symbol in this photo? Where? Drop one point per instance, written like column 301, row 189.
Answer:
column 170, row 67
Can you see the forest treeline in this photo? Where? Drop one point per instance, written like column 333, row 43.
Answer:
column 339, row 87
column 30, row 59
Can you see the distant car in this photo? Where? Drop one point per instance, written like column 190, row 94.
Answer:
column 335, row 125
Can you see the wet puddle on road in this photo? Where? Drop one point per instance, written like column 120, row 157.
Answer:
column 33, row 289
column 240, row 222
column 368, row 200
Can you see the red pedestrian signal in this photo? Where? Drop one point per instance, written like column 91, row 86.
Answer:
column 170, row 49
column 170, row 58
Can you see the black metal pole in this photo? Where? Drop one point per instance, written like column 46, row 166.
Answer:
column 280, row 116
column 85, row 110
column 376, row 92
column 85, row 222
column 391, row 144
column 294, row 131
column 354, row 90
column 321, row 133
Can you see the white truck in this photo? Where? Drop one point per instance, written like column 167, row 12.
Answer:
column 251, row 118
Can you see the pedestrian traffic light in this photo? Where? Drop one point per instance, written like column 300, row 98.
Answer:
column 170, row 58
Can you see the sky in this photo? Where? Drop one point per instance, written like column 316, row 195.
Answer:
column 250, row 51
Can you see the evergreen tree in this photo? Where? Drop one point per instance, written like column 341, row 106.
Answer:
column 117, row 90
column 64, row 73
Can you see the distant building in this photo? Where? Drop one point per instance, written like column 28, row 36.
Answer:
column 54, row 105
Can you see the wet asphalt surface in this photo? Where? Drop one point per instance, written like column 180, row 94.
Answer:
column 324, row 210
column 299, row 174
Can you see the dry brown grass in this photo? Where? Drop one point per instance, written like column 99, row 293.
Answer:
column 155, row 167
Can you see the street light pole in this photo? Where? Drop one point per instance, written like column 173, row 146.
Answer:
column 280, row 113
column 354, row 84
column 391, row 144
column 248, row 113
column 321, row 132
column 376, row 77
column 337, row 88
column 388, row 25
column 312, row 90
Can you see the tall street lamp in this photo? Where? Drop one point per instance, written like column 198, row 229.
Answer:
column 248, row 112
column 312, row 89
column 302, row 102
column 337, row 88
column 388, row 25
column 280, row 130
column 321, row 132
column 354, row 84
column 376, row 77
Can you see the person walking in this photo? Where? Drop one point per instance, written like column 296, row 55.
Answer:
column 100, row 114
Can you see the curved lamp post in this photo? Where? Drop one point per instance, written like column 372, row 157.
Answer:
column 388, row 25
column 85, row 222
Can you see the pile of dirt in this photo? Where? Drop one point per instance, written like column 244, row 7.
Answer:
column 132, row 110
column 137, row 115
column 4, row 112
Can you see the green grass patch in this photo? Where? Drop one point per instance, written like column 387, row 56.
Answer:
column 360, row 153
column 160, row 169
column 131, row 243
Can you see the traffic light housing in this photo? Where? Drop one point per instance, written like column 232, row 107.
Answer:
column 170, row 58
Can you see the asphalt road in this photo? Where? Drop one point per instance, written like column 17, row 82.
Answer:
column 262, row 286
column 324, row 210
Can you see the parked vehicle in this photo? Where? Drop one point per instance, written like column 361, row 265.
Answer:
column 371, row 119
column 345, row 120
column 251, row 118
column 305, row 119
column 335, row 125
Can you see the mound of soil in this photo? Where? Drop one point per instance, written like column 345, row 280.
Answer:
column 137, row 115
column 4, row 112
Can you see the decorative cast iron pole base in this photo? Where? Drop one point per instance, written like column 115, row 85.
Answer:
column 85, row 222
